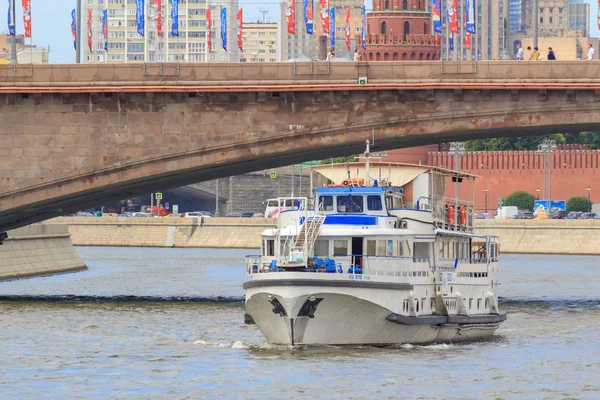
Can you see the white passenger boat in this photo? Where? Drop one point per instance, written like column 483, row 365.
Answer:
column 393, row 261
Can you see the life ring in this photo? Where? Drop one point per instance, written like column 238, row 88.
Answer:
column 345, row 183
column 451, row 215
column 463, row 216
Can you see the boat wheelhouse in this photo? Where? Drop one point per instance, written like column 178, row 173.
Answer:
column 392, row 262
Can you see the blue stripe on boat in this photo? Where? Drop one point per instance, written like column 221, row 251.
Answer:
column 350, row 220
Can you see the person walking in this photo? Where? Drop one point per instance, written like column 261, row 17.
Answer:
column 551, row 55
column 536, row 53
column 591, row 53
column 357, row 55
column 519, row 52
column 529, row 53
column 330, row 55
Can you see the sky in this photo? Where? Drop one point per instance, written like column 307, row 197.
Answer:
column 51, row 22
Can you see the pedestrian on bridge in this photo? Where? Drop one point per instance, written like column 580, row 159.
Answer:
column 551, row 55
column 330, row 55
column 519, row 52
column 536, row 53
column 591, row 53
column 357, row 55
column 529, row 53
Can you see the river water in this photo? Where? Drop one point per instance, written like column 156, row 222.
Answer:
column 168, row 324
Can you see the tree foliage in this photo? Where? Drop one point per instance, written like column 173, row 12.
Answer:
column 578, row 203
column 338, row 160
column 521, row 199
column 512, row 143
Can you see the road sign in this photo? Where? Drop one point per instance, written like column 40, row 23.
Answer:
column 273, row 174
column 158, row 196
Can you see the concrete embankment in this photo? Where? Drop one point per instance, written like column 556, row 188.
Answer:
column 544, row 236
column 516, row 236
column 38, row 250
column 166, row 232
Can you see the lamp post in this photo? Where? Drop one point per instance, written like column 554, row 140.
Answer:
column 546, row 148
column 457, row 149
column 589, row 190
column 485, row 193
column 538, row 193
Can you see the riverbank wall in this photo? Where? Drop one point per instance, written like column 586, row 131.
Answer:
column 516, row 236
column 36, row 250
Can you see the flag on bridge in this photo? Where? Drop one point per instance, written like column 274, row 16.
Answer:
column 452, row 17
column 89, row 29
column 158, row 19
column 208, row 30
column 363, row 28
column 224, row 28
column 308, row 15
column 105, row 29
column 11, row 18
column 239, row 30
column 174, row 18
column 290, row 16
column 325, row 15
column 332, row 26
column 348, row 28
column 140, row 18
column 470, row 16
column 27, row 17
column 74, row 27
column 468, row 41
column 436, row 16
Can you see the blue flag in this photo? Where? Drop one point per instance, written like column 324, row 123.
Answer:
column 74, row 28
column 363, row 29
column 451, row 43
column 308, row 15
column 11, row 17
column 139, row 16
column 224, row 28
column 332, row 25
column 174, row 18
column 470, row 7
column 105, row 29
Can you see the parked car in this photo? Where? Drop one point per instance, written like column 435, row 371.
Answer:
column 233, row 215
column 197, row 214
column 142, row 214
column 588, row 215
column 247, row 214
column 527, row 215
column 258, row 215
column 559, row 214
column 575, row 215
column 125, row 214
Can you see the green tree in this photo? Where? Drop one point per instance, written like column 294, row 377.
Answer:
column 338, row 160
column 521, row 199
column 517, row 143
column 578, row 203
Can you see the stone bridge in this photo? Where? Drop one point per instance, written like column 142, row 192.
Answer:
column 76, row 136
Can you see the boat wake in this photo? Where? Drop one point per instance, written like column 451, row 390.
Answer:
column 122, row 299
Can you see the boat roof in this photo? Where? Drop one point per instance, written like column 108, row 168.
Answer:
column 397, row 173
column 351, row 189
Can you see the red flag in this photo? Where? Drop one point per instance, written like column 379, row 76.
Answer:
column 27, row 17
column 453, row 17
column 208, row 30
column 325, row 15
column 468, row 41
column 348, row 27
column 437, row 41
column 158, row 19
column 239, row 32
column 290, row 15
column 89, row 29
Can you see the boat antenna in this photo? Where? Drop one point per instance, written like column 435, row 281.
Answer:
column 367, row 163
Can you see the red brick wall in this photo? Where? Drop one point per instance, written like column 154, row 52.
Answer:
column 502, row 173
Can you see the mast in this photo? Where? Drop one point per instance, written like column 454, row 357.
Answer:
column 368, row 163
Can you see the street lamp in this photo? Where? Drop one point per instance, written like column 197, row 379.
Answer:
column 485, row 193
column 538, row 193
column 457, row 149
column 546, row 148
column 589, row 190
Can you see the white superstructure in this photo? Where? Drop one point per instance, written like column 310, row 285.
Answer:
column 376, row 265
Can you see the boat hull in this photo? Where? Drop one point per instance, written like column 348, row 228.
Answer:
column 342, row 319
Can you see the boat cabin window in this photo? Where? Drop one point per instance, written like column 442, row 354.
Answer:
column 326, row 203
column 350, row 204
column 321, row 248
column 403, row 248
column 340, row 247
column 269, row 248
column 272, row 203
column 421, row 250
column 371, row 247
column 374, row 203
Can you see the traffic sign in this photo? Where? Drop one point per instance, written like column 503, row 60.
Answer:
column 158, row 196
column 273, row 174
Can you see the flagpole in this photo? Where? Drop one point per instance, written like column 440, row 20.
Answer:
column 145, row 32
column 187, row 30
column 167, row 31
column 78, row 30
column 126, row 34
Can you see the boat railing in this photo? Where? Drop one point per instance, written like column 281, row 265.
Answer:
column 253, row 263
column 395, row 265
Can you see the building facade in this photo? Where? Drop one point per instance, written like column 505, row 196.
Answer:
column 400, row 30
column 260, row 42
column 125, row 44
column 303, row 46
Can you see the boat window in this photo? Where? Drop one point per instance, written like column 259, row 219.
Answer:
column 326, row 203
column 340, row 247
column 381, row 247
column 322, row 248
column 350, row 204
column 284, row 248
column 400, row 248
column 374, row 203
column 371, row 246
column 269, row 248
column 390, row 248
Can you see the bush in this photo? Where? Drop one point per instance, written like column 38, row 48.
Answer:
column 521, row 199
column 578, row 203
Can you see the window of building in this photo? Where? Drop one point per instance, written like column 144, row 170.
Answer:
column 383, row 28
column 404, row 4
column 387, row 5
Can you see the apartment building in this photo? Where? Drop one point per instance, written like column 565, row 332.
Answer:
column 125, row 44
column 260, row 42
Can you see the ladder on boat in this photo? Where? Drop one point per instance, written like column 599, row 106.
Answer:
column 308, row 234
